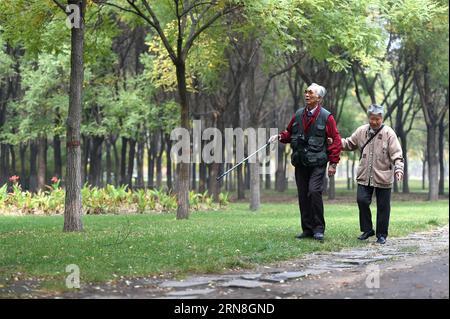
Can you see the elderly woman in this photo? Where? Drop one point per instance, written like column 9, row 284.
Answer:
column 381, row 158
column 307, row 132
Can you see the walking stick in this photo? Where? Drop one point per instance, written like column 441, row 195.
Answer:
column 240, row 163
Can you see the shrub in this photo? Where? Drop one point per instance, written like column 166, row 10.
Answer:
column 100, row 200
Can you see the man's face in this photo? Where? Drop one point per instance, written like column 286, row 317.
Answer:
column 375, row 121
column 311, row 98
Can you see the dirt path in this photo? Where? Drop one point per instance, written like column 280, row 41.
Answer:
column 415, row 266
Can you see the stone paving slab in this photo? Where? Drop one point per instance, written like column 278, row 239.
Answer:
column 251, row 276
column 191, row 292
column 241, row 283
column 284, row 276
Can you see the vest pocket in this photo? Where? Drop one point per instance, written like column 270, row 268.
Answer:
column 320, row 131
column 315, row 144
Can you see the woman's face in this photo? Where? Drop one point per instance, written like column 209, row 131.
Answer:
column 375, row 121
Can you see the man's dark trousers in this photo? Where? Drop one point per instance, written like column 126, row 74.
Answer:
column 309, row 182
column 364, row 199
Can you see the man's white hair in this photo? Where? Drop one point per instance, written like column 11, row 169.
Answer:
column 320, row 90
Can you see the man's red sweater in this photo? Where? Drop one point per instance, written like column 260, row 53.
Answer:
column 334, row 149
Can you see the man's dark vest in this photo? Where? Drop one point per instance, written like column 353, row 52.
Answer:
column 309, row 149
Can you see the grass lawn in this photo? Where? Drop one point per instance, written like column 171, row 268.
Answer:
column 136, row 245
column 415, row 187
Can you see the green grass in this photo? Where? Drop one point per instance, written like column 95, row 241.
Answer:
column 136, row 245
column 415, row 187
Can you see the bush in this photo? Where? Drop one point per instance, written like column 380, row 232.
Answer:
column 108, row 200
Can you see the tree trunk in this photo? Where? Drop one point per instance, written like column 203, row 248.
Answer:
column 325, row 185
column 4, row 170
column 123, row 162
column 22, row 151
column 140, row 165
column 441, row 156
column 4, row 164
column 151, row 153
column 159, row 162
column 108, row 163
column 116, row 162
column 213, row 187
column 169, row 163
column 229, row 178
column 247, row 175
column 255, row 194
column 395, row 186
column 267, row 175
column 404, row 143
column 73, row 208
column 130, row 168
column 33, row 183
column 433, row 163
column 202, row 177
column 85, row 158
column 95, row 167
column 332, row 188
column 194, row 177
column 41, row 163
column 183, row 168
column 13, row 160
column 5, row 91
column 57, row 157
column 424, row 170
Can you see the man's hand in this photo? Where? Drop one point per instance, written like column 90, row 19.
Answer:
column 274, row 138
column 399, row 176
column 332, row 169
column 329, row 141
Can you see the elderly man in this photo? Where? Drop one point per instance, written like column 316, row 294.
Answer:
column 307, row 132
column 381, row 158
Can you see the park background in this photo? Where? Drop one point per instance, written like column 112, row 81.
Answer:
column 94, row 105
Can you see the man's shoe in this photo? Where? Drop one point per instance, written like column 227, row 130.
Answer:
column 381, row 240
column 366, row 235
column 303, row 235
column 318, row 236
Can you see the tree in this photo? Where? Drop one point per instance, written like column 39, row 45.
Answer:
column 412, row 27
column 431, row 80
column 36, row 115
column 72, row 205
column 7, row 76
column 191, row 19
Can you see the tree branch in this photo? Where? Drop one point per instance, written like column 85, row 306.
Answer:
column 158, row 29
column 358, row 96
column 60, row 6
column 213, row 19
column 271, row 77
column 193, row 6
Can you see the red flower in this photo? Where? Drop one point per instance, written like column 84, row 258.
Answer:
column 14, row 178
column 55, row 180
